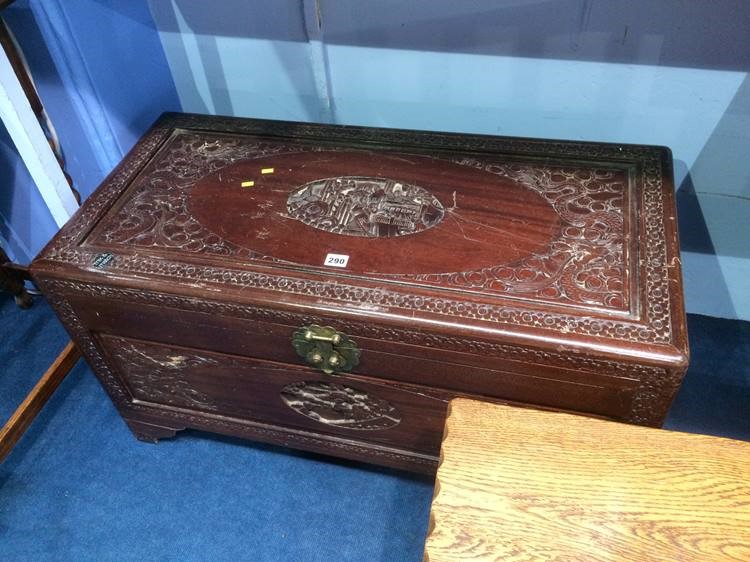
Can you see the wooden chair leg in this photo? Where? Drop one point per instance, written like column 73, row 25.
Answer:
column 36, row 399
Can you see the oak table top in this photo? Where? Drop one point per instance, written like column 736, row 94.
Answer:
column 521, row 484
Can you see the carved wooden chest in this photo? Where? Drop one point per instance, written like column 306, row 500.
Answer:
column 331, row 288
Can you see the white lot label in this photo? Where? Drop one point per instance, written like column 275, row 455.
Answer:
column 336, row 260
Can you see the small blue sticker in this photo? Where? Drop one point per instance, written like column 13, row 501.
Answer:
column 103, row 260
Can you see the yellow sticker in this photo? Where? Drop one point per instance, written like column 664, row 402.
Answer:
column 247, row 184
column 267, row 171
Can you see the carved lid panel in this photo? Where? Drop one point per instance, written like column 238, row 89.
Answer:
column 454, row 221
column 558, row 236
column 404, row 224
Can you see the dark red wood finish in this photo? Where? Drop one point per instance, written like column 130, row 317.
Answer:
column 536, row 272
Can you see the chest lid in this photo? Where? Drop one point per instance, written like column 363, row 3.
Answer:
column 558, row 243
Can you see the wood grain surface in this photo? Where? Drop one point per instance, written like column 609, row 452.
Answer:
column 520, row 484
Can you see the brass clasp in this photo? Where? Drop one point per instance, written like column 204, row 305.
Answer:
column 325, row 348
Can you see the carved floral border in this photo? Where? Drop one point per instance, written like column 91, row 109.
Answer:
column 68, row 247
column 655, row 389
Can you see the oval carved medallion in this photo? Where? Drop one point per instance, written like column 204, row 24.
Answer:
column 365, row 206
column 340, row 406
column 487, row 220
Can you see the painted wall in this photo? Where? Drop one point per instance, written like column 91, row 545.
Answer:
column 671, row 73
column 103, row 78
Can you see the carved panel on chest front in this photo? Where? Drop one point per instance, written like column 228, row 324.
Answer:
column 340, row 406
column 157, row 374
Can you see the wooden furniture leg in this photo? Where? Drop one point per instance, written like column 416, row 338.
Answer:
column 30, row 407
column 149, row 432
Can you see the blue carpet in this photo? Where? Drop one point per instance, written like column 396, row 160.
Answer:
column 80, row 487
column 715, row 395
column 31, row 340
